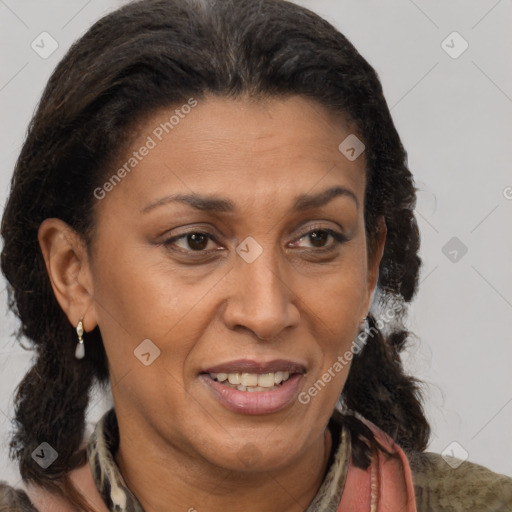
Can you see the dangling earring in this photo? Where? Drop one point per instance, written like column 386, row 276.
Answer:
column 362, row 337
column 80, row 349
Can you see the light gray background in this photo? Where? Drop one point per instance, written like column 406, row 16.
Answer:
column 454, row 116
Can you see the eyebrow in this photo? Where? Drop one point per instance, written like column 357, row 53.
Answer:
column 219, row 204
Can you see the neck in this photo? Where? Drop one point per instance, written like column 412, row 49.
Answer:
column 174, row 481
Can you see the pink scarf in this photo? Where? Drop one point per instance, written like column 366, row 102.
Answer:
column 386, row 486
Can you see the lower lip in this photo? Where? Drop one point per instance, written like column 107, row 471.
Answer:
column 256, row 402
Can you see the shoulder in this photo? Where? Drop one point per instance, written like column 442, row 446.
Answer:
column 14, row 500
column 451, row 485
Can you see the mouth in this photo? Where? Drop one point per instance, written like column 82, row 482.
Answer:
column 250, row 387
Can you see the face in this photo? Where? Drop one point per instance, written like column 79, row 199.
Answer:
column 230, row 274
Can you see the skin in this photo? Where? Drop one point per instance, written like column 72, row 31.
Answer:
column 180, row 447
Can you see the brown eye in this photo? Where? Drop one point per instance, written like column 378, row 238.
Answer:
column 318, row 238
column 321, row 239
column 197, row 241
column 194, row 241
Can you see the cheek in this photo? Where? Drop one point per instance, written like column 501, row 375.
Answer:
column 337, row 301
column 335, row 327
column 138, row 297
column 337, row 308
column 139, row 294
column 324, row 390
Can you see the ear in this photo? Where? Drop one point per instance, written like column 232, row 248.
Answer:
column 67, row 263
column 375, row 258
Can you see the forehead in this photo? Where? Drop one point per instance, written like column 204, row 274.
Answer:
column 273, row 146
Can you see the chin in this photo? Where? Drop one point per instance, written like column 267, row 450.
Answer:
column 261, row 454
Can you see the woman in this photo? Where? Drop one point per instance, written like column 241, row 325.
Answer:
column 210, row 199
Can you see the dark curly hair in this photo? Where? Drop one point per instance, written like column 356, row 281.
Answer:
column 151, row 54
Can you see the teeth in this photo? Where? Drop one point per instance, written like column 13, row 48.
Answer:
column 249, row 379
column 266, row 380
column 252, row 381
column 234, row 378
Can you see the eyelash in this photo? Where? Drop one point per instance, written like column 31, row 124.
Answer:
column 201, row 254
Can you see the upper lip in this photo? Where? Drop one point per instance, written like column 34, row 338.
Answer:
column 250, row 366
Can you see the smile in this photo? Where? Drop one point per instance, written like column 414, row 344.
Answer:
column 252, row 382
column 251, row 387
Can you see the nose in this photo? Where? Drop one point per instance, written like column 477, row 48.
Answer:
column 260, row 299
